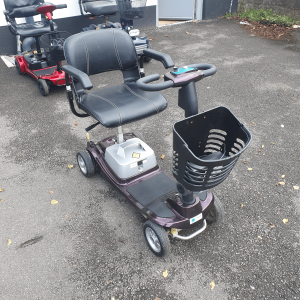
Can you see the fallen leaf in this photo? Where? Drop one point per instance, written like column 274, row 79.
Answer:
column 174, row 230
column 76, row 124
column 150, row 39
column 1, row 200
column 260, row 237
column 166, row 36
column 295, row 187
column 281, row 183
column 263, row 146
column 70, row 166
column 163, row 156
column 272, row 143
column 8, row 242
column 208, row 87
column 54, row 202
column 285, row 221
column 212, row 285
column 259, row 150
column 156, row 298
column 245, row 162
column 169, row 133
column 1, row 190
column 253, row 123
column 107, row 282
column 282, row 176
column 112, row 298
column 165, row 273
column 272, row 225
column 249, row 169
column 187, row 32
column 242, row 205
column 51, row 192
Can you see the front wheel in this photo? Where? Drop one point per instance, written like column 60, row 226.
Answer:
column 43, row 87
column 216, row 214
column 156, row 238
column 85, row 164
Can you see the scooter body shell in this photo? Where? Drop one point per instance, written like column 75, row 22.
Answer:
column 182, row 214
column 50, row 74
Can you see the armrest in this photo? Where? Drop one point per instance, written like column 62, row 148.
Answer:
column 81, row 76
column 162, row 57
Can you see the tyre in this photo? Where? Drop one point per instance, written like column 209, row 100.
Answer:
column 156, row 238
column 216, row 214
column 148, row 59
column 43, row 87
column 85, row 164
column 18, row 68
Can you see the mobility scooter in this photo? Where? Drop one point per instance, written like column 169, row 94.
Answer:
column 43, row 64
column 206, row 146
column 128, row 9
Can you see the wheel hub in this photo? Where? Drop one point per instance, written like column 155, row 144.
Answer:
column 81, row 164
column 153, row 240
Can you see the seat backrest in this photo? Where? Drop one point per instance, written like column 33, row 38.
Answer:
column 17, row 8
column 103, row 50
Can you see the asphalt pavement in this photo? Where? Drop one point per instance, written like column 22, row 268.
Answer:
column 90, row 244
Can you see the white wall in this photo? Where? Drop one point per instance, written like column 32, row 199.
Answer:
column 71, row 11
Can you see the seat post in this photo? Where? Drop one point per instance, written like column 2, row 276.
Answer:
column 38, row 47
column 120, row 138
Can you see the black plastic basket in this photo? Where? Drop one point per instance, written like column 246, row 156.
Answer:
column 53, row 44
column 131, row 9
column 206, row 147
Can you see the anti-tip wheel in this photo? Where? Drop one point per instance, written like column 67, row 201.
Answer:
column 18, row 68
column 156, row 238
column 85, row 164
column 216, row 214
column 43, row 87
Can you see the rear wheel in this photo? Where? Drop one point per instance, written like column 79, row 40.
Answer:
column 43, row 87
column 18, row 68
column 216, row 214
column 156, row 238
column 85, row 164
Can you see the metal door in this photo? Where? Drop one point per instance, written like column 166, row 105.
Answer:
column 176, row 9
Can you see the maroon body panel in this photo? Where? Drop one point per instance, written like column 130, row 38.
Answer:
column 182, row 213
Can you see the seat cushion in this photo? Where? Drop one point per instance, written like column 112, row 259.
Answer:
column 99, row 8
column 36, row 29
column 121, row 104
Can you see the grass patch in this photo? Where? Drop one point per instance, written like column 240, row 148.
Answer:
column 266, row 16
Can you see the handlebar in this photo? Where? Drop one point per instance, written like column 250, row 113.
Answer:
column 208, row 70
column 60, row 6
column 142, row 83
column 33, row 8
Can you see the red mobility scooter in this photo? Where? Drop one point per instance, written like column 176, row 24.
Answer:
column 43, row 64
